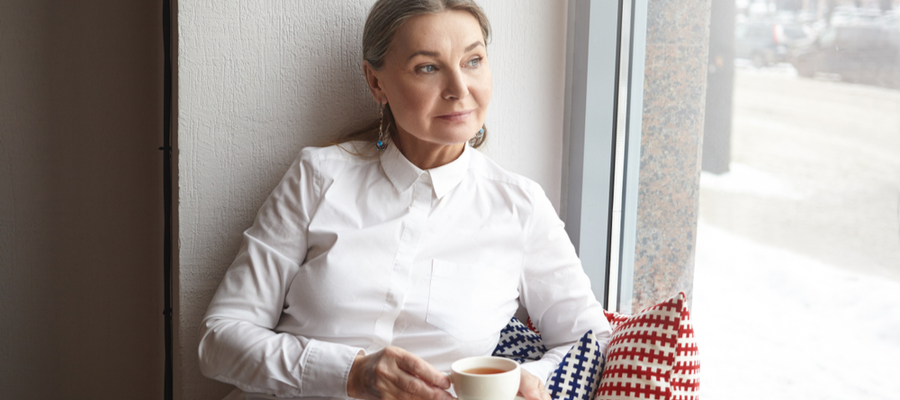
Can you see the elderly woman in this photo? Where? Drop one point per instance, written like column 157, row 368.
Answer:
column 379, row 261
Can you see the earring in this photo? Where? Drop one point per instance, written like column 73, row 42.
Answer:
column 480, row 134
column 380, row 143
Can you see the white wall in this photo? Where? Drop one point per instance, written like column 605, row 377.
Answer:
column 260, row 80
column 81, row 200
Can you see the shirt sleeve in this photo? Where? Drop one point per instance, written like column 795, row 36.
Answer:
column 238, row 344
column 555, row 290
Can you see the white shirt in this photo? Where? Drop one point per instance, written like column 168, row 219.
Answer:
column 354, row 253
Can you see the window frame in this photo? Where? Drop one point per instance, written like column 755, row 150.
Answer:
column 606, row 44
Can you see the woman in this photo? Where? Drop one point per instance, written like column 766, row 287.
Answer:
column 376, row 263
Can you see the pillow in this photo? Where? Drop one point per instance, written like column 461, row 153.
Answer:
column 652, row 354
column 520, row 342
column 578, row 374
column 686, row 373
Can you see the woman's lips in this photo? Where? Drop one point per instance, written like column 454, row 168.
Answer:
column 457, row 116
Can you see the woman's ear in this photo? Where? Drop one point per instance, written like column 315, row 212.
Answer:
column 374, row 83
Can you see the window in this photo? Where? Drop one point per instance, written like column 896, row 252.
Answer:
column 604, row 85
column 798, row 251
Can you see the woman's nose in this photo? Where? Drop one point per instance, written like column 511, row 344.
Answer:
column 456, row 86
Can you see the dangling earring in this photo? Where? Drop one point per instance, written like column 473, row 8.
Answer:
column 380, row 145
column 480, row 134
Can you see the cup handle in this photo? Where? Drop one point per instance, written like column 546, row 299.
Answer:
column 452, row 391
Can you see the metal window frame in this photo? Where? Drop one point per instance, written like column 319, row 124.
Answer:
column 604, row 102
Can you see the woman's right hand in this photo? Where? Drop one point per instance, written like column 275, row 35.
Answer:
column 394, row 373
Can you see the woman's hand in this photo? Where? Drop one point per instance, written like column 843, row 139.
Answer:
column 531, row 388
column 394, row 373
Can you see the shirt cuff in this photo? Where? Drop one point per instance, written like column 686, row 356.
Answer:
column 325, row 369
column 540, row 369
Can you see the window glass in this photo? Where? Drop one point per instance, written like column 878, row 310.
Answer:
column 797, row 271
column 795, row 32
column 827, row 38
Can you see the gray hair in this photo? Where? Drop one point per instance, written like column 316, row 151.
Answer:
column 386, row 16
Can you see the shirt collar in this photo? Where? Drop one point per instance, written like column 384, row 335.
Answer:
column 446, row 177
column 403, row 173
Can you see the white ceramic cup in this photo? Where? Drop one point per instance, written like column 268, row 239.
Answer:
column 471, row 385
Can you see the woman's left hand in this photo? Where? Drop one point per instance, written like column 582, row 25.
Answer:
column 531, row 388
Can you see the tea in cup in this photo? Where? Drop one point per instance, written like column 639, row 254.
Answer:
column 485, row 378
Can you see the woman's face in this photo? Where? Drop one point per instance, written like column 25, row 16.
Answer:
column 436, row 78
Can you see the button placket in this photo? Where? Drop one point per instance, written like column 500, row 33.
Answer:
column 412, row 228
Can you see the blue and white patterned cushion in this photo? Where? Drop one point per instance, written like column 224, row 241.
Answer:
column 519, row 343
column 578, row 375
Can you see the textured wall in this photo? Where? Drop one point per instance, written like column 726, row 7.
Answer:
column 81, row 200
column 671, row 148
column 27, row 343
column 258, row 81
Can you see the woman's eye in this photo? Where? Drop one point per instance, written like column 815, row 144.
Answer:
column 475, row 62
column 427, row 69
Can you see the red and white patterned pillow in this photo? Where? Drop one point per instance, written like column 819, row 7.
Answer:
column 652, row 354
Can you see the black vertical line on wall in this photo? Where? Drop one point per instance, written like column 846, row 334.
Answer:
column 167, row 192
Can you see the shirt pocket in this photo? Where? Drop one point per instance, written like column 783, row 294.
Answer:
column 471, row 302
